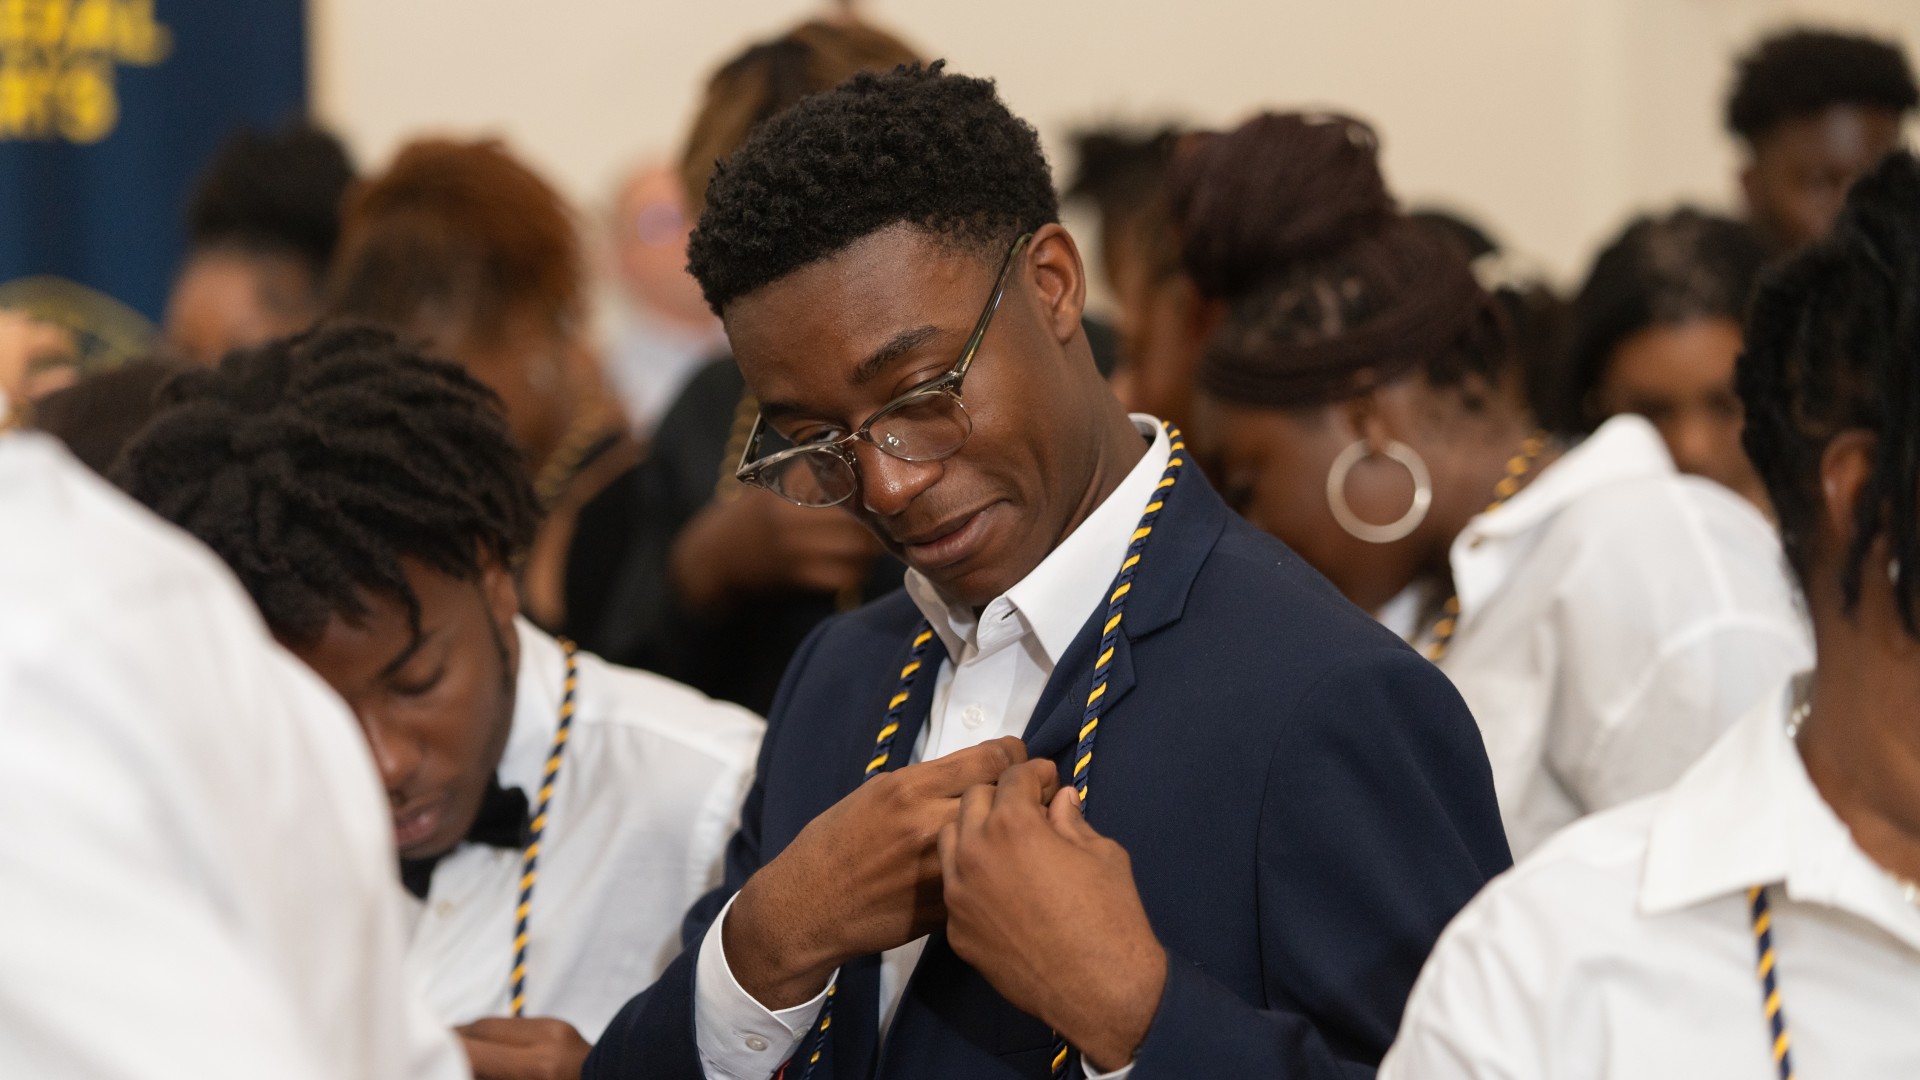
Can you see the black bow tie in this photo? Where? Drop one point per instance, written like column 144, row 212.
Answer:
column 502, row 822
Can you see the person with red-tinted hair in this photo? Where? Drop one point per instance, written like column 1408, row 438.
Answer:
column 462, row 246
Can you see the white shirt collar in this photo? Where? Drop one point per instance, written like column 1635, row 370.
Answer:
column 1748, row 814
column 1053, row 601
column 1626, row 447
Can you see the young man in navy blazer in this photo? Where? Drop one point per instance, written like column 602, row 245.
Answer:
column 1283, row 804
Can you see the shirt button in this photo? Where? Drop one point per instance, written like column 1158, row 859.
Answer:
column 973, row 716
column 756, row 1044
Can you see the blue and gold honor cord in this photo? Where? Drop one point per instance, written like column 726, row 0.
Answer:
column 1089, row 727
column 530, row 858
column 1769, row 982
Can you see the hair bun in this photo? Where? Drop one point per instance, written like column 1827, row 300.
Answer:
column 1280, row 189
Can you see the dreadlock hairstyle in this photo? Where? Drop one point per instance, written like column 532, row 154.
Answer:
column 1804, row 71
column 1329, row 288
column 273, row 194
column 916, row 146
column 314, row 465
column 1833, row 345
column 770, row 76
column 1660, row 271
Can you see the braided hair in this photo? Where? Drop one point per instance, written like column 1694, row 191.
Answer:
column 1329, row 288
column 314, row 465
column 1833, row 345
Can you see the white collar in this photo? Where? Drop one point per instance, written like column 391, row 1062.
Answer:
column 1747, row 814
column 1626, row 447
column 1053, row 601
column 536, row 708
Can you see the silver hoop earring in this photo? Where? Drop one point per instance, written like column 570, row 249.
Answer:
column 1410, row 460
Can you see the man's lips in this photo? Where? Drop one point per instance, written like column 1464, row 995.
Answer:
column 946, row 543
column 417, row 824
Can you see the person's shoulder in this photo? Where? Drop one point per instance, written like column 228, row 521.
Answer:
column 1255, row 593
column 79, row 549
column 1574, row 897
column 632, row 703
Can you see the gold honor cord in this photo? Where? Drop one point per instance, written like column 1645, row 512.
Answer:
column 1518, row 466
column 1090, row 724
column 530, row 858
column 1781, row 1049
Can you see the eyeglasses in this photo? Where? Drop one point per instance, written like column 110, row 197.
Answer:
column 927, row 423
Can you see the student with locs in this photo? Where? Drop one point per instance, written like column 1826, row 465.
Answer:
column 1117, row 786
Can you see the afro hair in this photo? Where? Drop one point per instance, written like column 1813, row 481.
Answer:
column 916, row 146
column 1804, row 71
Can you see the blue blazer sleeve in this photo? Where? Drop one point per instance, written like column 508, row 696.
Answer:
column 653, row 1035
column 1378, row 824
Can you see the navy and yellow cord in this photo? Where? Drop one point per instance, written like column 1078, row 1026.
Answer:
column 530, row 857
column 1782, row 1047
column 1518, row 466
column 1090, row 723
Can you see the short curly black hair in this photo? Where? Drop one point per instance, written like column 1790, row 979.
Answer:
column 313, row 465
column 917, row 146
column 1802, row 71
column 1833, row 345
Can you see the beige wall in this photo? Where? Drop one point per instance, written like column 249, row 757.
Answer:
column 1548, row 119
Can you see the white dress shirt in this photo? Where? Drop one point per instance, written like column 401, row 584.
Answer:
column 648, row 794
column 1616, row 618
column 1624, row 948
column 197, row 863
column 997, row 666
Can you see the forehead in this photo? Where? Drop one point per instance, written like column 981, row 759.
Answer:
column 813, row 327
column 1853, row 134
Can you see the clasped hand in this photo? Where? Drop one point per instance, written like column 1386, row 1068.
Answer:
column 987, row 844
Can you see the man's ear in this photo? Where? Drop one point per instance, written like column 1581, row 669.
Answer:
column 1060, row 277
column 502, row 596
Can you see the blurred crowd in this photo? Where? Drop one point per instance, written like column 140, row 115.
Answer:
column 427, row 409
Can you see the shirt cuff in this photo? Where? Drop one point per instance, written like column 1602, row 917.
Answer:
column 739, row 1038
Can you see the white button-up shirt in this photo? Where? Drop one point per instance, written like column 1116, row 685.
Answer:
column 648, row 794
column 997, row 666
column 197, row 864
column 1616, row 618
column 1624, row 948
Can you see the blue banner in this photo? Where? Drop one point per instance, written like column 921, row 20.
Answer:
column 108, row 109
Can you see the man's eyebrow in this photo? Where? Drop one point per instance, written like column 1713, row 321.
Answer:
column 413, row 647
column 866, row 370
column 899, row 345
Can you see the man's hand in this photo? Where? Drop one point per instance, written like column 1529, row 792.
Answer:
column 861, row 878
column 504, row 1049
column 760, row 543
column 1046, row 909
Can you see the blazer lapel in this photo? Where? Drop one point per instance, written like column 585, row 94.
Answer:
column 1183, row 536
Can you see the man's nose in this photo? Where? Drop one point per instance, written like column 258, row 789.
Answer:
column 888, row 484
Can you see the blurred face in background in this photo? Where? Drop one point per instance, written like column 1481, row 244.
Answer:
column 1680, row 377
column 650, row 230
column 228, row 298
column 1799, row 172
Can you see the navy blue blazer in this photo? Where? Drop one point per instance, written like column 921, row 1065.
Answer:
column 1305, row 799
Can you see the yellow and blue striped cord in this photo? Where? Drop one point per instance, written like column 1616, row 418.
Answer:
column 1769, row 982
column 1102, row 667
column 876, row 763
column 530, row 857
column 1090, row 725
